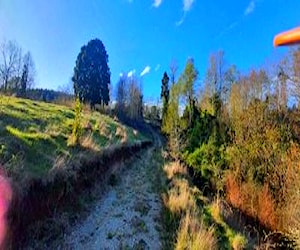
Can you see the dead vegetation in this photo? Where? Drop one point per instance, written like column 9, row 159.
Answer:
column 193, row 234
column 183, row 220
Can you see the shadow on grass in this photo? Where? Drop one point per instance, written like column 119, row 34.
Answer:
column 22, row 123
column 67, row 113
column 38, row 153
column 99, row 139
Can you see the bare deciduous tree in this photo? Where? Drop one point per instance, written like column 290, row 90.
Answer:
column 129, row 98
column 215, row 73
column 122, row 95
column 10, row 62
column 135, row 104
column 295, row 73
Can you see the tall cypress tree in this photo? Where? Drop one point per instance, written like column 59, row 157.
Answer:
column 164, row 95
column 92, row 74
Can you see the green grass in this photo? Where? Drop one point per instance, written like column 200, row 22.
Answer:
column 228, row 237
column 33, row 135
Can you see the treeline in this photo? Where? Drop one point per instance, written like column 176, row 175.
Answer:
column 240, row 136
column 17, row 76
column 17, row 70
column 48, row 95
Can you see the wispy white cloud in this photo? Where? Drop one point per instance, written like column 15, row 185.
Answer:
column 146, row 70
column 252, row 5
column 131, row 73
column 157, row 67
column 227, row 29
column 178, row 23
column 187, row 6
column 157, row 3
column 250, row 8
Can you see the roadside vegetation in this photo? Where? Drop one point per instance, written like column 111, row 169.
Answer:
column 184, row 227
column 240, row 142
column 194, row 221
column 233, row 181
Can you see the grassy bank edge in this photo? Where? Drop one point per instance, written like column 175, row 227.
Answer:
column 184, row 227
column 192, row 220
column 37, row 199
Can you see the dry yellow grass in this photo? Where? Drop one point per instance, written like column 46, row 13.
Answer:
column 239, row 242
column 121, row 132
column 103, row 128
column 215, row 210
column 194, row 235
column 89, row 143
column 236, row 240
column 292, row 217
column 180, row 200
column 174, row 168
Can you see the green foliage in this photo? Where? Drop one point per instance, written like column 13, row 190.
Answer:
column 201, row 130
column 255, row 151
column 91, row 74
column 24, row 80
column 216, row 104
column 77, row 124
column 172, row 118
column 152, row 113
column 174, row 125
column 171, row 126
column 208, row 161
column 245, row 142
column 188, row 79
column 196, row 134
column 186, row 82
column 205, row 147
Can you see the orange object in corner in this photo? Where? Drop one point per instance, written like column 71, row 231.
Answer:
column 288, row 38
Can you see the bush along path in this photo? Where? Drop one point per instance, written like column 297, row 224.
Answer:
column 127, row 216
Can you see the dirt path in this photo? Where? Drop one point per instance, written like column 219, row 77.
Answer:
column 127, row 215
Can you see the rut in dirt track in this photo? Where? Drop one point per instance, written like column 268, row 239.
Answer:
column 127, row 216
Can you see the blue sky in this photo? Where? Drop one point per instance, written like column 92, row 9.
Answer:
column 145, row 35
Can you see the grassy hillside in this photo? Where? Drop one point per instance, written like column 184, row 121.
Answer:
column 34, row 135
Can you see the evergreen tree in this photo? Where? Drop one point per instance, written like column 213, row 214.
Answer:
column 92, row 74
column 24, row 80
column 165, row 95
